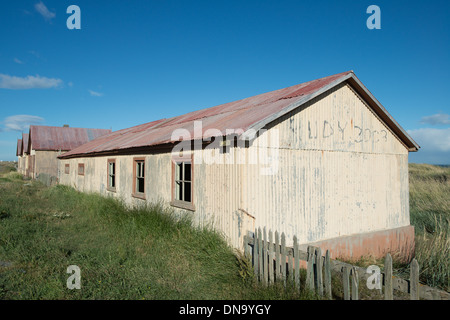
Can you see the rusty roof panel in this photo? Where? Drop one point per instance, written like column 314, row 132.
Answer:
column 62, row 138
column 240, row 114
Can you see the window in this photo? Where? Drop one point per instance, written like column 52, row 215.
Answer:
column 111, row 175
column 81, row 169
column 67, row 168
column 182, row 184
column 139, row 178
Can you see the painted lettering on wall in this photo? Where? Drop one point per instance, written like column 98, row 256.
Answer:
column 358, row 135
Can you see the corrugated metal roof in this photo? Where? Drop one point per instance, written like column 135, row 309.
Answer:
column 62, row 138
column 19, row 147
column 245, row 114
column 25, row 143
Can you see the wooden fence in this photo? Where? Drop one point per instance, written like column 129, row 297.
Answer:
column 274, row 262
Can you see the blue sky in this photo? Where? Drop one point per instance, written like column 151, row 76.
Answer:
column 137, row 61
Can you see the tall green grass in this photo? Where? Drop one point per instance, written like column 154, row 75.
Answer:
column 123, row 253
column 430, row 215
column 7, row 166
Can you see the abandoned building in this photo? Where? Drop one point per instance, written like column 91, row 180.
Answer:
column 322, row 160
column 43, row 144
column 19, row 154
column 22, row 155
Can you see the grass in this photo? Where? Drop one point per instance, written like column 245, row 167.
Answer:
column 148, row 253
column 123, row 253
column 7, row 167
column 430, row 215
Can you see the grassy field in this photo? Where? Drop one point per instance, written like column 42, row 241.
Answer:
column 143, row 253
column 430, row 215
column 147, row 253
column 7, row 166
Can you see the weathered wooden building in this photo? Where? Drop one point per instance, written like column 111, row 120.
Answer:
column 19, row 154
column 322, row 160
column 23, row 155
column 45, row 143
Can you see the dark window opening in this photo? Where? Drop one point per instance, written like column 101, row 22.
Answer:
column 111, row 174
column 81, row 169
column 140, row 178
column 183, row 181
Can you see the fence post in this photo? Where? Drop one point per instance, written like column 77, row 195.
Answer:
column 296, row 265
column 265, row 260
column 414, row 280
column 246, row 247
column 310, row 269
column 318, row 276
column 355, row 284
column 256, row 253
column 345, row 282
column 260, row 255
column 271, row 256
column 290, row 274
column 388, row 288
column 327, row 275
column 277, row 257
column 283, row 258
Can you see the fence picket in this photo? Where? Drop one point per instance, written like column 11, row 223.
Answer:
column 296, row 264
column 283, row 258
column 290, row 273
column 246, row 248
column 327, row 275
column 345, row 282
column 318, row 275
column 277, row 257
column 310, row 269
column 265, row 259
column 260, row 255
column 414, row 280
column 255, row 254
column 271, row 256
column 355, row 284
column 388, row 288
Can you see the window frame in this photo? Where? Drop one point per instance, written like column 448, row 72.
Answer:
column 81, row 165
column 67, row 168
column 135, row 194
column 108, row 175
column 188, row 205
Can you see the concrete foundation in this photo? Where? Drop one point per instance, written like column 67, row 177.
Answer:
column 399, row 242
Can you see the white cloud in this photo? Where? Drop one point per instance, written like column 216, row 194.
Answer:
column 18, row 61
column 432, row 139
column 21, row 122
column 95, row 94
column 28, row 82
column 42, row 9
column 434, row 145
column 436, row 119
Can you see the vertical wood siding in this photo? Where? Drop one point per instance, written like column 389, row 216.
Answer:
column 341, row 172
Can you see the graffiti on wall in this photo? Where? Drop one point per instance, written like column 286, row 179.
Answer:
column 342, row 132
